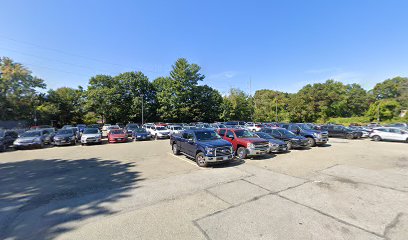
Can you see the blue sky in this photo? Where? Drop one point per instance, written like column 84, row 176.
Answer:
column 279, row 45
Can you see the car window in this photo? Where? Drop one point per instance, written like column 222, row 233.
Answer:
column 244, row 134
column 276, row 132
column 230, row 134
column 190, row 136
column 185, row 135
column 393, row 130
column 222, row 132
column 207, row 136
column 382, row 129
column 338, row 128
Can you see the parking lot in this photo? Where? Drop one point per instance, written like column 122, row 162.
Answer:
column 348, row 189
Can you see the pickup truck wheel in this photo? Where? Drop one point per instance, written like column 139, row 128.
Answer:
column 41, row 145
column 155, row 137
column 200, row 160
column 311, row 142
column 176, row 151
column 376, row 138
column 241, row 153
column 289, row 144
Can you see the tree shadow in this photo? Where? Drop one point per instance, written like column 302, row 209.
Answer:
column 40, row 198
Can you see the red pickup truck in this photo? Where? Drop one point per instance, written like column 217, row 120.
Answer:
column 244, row 142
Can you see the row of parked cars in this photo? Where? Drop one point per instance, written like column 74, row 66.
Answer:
column 280, row 136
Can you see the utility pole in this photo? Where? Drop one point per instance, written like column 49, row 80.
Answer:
column 142, row 95
column 378, row 111
column 276, row 109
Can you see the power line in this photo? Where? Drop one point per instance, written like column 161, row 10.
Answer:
column 71, row 54
column 50, row 59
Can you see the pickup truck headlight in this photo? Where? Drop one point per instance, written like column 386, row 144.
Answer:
column 210, row 150
column 250, row 145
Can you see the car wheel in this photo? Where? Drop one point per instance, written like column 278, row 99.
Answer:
column 200, row 160
column 311, row 142
column 349, row 136
column 241, row 153
column 42, row 145
column 155, row 137
column 376, row 138
column 289, row 144
column 176, row 151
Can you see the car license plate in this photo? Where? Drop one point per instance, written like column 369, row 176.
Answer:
column 119, row 139
column 284, row 149
column 144, row 137
column 63, row 141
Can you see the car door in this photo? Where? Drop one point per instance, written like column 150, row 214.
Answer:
column 395, row 134
column 190, row 144
column 230, row 136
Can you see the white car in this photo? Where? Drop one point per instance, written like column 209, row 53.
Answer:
column 91, row 135
column 159, row 132
column 389, row 133
column 175, row 129
column 254, row 127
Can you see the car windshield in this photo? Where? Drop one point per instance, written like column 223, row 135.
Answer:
column 222, row 126
column 207, row 136
column 140, row 130
column 177, row 128
column 244, row 134
column 117, row 131
column 91, row 131
column 305, row 127
column 133, row 126
column 160, row 128
column 286, row 133
column 64, row 131
column 31, row 134
column 263, row 135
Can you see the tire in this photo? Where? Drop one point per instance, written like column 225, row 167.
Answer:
column 349, row 136
column 377, row 138
column 155, row 137
column 41, row 145
column 241, row 153
column 175, row 149
column 311, row 142
column 289, row 144
column 200, row 160
column 82, row 144
column 2, row 148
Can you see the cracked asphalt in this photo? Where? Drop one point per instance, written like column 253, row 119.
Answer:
column 349, row 189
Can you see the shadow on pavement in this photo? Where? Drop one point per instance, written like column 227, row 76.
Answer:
column 39, row 198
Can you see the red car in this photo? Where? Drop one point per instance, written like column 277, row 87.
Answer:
column 117, row 135
column 245, row 143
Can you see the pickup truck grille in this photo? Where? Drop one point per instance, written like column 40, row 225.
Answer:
column 325, row 135
column 261, row 146
column 222, row 151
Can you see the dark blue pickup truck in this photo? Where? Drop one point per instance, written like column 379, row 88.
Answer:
column 205, row 146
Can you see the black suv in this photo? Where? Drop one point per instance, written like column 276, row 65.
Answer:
column 340, row 131
column 6, row 139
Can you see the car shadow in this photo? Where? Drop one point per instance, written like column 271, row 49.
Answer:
column 39, row 198
column 323, row 146
column 233, row 163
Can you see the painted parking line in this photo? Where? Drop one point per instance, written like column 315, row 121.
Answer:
column 183, row 159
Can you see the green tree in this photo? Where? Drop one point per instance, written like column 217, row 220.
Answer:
column 135, row 87
column 384, row 110
column 63, row 105
column 270, row 105
column 237, row 106
column 394, row 88
column 174, row 93
column 18, row 91
column 103, row 97
column 206, row 104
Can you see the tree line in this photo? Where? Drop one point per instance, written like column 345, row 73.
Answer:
column 180, row 97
